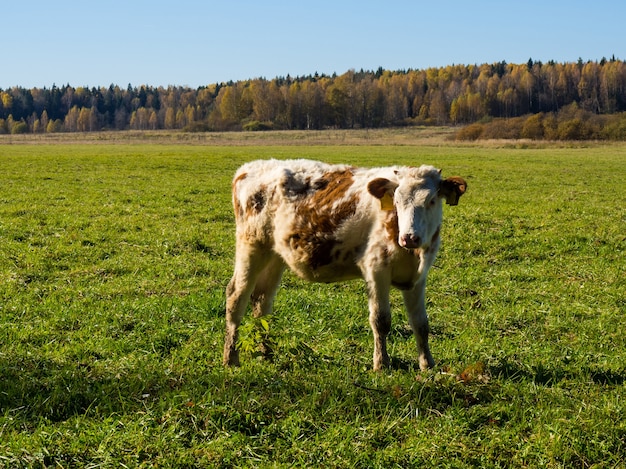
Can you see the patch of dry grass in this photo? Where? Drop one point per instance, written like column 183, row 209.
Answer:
column 395, row 136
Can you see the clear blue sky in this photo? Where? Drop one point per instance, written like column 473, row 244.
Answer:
column 195, row 42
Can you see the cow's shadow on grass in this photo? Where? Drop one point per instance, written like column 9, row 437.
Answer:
column 538, row 374
column 32, row 388
column 543, row 375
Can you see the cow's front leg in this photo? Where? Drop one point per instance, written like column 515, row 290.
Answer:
column 263, row 297
column 380, row 320
column 414, row 300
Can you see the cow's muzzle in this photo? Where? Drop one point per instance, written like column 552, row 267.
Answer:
column 410, row 241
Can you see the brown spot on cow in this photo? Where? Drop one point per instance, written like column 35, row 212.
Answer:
column 257, row 201
column 391, row 226
column 332, row 186
column 320, row 213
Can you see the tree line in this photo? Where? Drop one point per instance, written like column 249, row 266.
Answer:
column 452, row 95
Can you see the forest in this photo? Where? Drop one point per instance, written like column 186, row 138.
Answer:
column 574, row 100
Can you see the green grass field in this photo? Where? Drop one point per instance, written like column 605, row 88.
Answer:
column 114, row 258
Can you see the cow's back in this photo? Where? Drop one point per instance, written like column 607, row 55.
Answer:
column 316, row 216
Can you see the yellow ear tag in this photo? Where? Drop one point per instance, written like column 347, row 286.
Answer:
column 386, row 202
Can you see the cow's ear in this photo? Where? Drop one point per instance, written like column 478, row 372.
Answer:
column 383, row 190
column 452, row 188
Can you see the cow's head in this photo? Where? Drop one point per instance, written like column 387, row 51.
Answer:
column 416, row 197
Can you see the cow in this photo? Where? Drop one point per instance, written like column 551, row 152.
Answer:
column 331, row 223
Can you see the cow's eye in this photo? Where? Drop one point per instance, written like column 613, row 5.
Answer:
column 432, row 202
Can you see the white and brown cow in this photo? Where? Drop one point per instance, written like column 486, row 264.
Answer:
column 330, row 223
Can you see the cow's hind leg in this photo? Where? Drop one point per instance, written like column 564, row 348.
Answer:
column 249, row 263
column 264, row 293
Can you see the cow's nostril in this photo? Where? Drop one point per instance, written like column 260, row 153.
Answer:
column 410, row 241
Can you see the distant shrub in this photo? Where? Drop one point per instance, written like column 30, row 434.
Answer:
column 504, row 128
column 570, row 130
column 615, row 128
column 255, row 126
column 595, row 126
column 470, row 132
column 54, row 126
column 571, row 123
column 571, row 111
column 574, row 123
column 19, row 128
column 533, row 127
column 550, row 125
